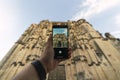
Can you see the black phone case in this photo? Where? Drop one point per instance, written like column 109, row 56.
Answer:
column 61, row 53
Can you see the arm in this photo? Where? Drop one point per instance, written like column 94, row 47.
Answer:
column 28, row 73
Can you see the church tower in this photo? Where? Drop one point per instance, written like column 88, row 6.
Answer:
column 94, row 57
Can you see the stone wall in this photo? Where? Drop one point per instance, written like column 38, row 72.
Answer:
column 94, row 57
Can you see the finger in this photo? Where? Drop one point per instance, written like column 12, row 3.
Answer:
column 69, row 56
column 58, row 60
column 49, row 42
column 70, row 51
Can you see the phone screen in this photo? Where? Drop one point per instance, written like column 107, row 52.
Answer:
column 60, row 41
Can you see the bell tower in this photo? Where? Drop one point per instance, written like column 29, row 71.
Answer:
column 94, row 57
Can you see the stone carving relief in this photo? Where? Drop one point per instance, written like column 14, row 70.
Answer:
column 78, row 39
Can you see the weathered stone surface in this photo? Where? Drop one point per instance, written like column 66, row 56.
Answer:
column 94, row 57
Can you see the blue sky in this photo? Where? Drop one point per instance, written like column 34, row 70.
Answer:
column 59, row 31
column 17, row 15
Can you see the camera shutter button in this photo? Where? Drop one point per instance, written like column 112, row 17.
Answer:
column 60, row 52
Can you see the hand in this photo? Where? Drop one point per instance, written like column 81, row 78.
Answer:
column 47, row 58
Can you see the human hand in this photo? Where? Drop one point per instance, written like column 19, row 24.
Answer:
column 47, row 58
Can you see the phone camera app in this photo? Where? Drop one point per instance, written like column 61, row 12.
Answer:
column 60, row 38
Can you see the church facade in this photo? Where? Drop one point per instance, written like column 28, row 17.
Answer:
column 94, row 57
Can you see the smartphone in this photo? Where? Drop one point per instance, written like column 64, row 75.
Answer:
column 60, row 41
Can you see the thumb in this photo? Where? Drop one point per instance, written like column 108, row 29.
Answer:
column 49, row 42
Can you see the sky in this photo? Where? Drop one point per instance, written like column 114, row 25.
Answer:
column 60, row 31
column 17, row 15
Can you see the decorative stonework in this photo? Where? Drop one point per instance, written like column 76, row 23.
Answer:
column 94, row 57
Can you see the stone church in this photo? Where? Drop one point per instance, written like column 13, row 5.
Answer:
column 94, row 57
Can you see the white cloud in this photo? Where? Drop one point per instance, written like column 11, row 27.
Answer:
column 90, row 8
column 7, row 27
column 116, row 23
column 117, row 20
column 116, row 34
